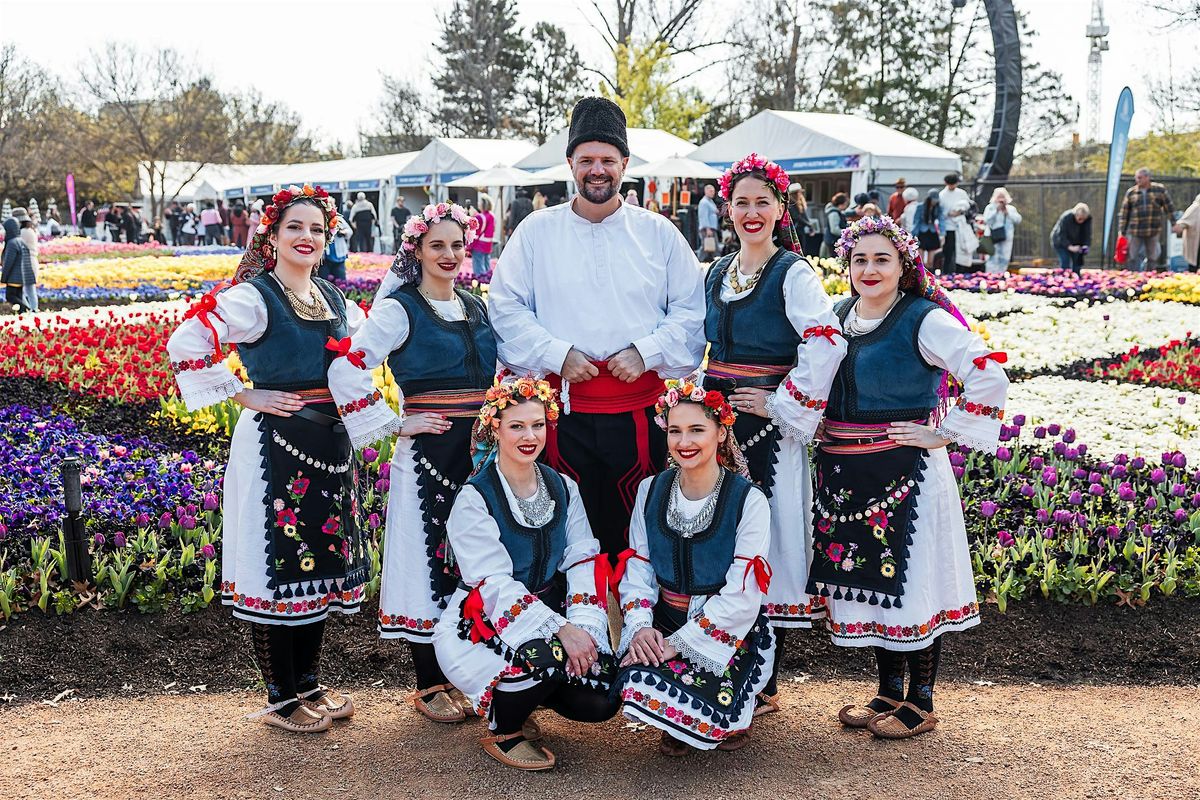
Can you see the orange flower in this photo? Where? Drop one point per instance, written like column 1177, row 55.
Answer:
column 526, row 389
column 307, row 190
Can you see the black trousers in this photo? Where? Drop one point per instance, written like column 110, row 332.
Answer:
column 950, row 253
column 601, row 453
column 578, row 703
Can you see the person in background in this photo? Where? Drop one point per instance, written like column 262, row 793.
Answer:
column 333, row 265
column 226, row 233
column 256, row 209
column 910, row 196
column 955, row 204
column 520, row 208
column 29, row 261
column 898, row 202
column 835, row 222
column 1000, row 215
column 210, row 223
column 1071, row 237
column 87, row 220
column 188, row 225
column 927, row 226
column 539, row 201
column 860, row 200
column 481, row 248
column 631, row 197
column 1188, row 227
column 156, row 234
column 1146, row 206
column 400, row 215
column 708, row 223
column 133, row 225
column 115, row 224
column 239, row 222
column 802, row 224
column 16, row 261
column 871, row 210
column 363, row 219
column 174, row 217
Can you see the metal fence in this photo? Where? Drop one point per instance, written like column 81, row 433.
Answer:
column 1042, row 201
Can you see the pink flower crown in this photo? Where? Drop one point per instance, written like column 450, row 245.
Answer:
column 779, row 177
column 505, row 391
column 418, row 225
column 906, row 243
column 688, row 390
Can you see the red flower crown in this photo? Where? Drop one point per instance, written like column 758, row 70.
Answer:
column 778, row 176
column 688, row 390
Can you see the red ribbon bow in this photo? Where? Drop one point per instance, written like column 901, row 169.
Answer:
column 761, row 569
column 1000, row 357
column 201, row 309
column 473, row 611
column 342, row 348
column 828, row 331
column 618, row 572
column 602, row 575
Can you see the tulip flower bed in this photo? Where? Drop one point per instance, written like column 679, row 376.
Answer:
column 361, row 284
column 1174, row 365
column 1048, row 518
column 1090, row 285
column 1183, row 287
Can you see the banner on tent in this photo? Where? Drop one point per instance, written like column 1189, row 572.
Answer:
column 362, row 185
column 232, row 193
column 266, row 188
column 816, row 164
column 413, row 180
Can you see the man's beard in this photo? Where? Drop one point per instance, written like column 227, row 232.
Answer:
column 599, row 193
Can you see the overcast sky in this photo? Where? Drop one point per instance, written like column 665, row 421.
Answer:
column 361, row 38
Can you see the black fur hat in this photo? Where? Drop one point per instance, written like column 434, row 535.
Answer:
column 597, row 119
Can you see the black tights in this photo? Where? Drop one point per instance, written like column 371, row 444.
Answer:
column 425, row 664
column 922, row 674
column 289, row 657
column 578, row 703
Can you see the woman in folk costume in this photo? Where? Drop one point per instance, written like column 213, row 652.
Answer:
column 527, row 625
column 774, row 347
column 291, row 549
column 890, row 550
column 438, row 343
column 696, row 644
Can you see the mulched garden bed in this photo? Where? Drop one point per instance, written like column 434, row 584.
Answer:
column 97, row 654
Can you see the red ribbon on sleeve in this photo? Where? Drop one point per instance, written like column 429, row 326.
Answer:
column 201, row 310
column 473, row 611
column 1000, row 357
column 602, row 575
column 761, row 569
column 342, row 348
column 618, row 572
column 828, row 332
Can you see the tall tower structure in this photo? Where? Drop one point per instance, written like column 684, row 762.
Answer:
column 1097, row 35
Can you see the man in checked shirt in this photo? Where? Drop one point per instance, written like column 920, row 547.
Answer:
column 1147, row 205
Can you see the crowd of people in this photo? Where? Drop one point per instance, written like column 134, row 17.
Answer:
column 579, row 518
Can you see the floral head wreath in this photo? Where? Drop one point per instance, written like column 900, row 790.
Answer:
column 406, row 266
column 910, row 257
column 260, row 255
column 777, row 179
column 716, row 408
column 507, row 390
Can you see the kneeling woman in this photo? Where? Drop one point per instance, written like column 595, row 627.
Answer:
column 439, row 346
column 697, row 646
column 528, row 625
column 291, row 551
column 890, row 550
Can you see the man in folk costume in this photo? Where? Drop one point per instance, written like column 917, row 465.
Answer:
column 607, row 299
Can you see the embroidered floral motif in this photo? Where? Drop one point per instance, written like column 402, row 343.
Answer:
column 512, row 612
column 677, row 715
column 579, row 599
column 402, row 621
column 814, row 605
column 361, row 403
column 284, row 608
column 803, row 399
column 710, row 628
column 195, row 364
column 905, row 633
column 991, row 412
column 639, row 603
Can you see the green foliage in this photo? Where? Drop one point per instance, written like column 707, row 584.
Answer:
column 485, row 53
column 650, row 98
column 1162, row 153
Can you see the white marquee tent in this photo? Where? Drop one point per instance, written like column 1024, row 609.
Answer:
column 808, row 143
column 645, row 144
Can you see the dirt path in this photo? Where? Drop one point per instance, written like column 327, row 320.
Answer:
column 995, row 741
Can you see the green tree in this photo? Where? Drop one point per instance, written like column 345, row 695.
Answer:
column 262, row 132
column 485, row 58
column 551, row 82
column 1163, row 153
column 651, row 98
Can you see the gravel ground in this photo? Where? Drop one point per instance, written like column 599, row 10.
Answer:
column 1009, row 741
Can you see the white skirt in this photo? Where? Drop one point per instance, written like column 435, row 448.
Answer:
column 244, row 535
column 787, row 604
column 939, row 585
column 407, row 608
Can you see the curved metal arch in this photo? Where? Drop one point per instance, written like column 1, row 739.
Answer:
column 1006, row 118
